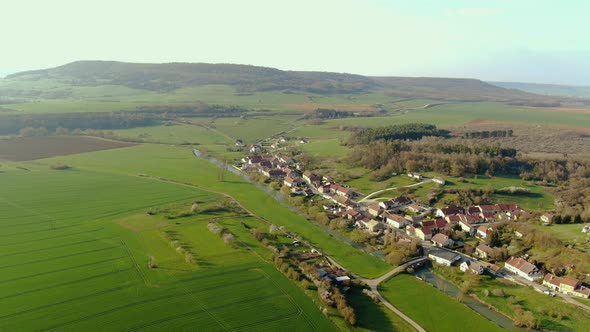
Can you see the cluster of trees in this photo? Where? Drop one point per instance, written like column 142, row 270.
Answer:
column 325, row 113
column 396, row 251
column 492, row 151
column 410, row 131
column 286, row 269
column 199, row 109
column 13, row 123
column 332, row 296
column 555, row 170
column 488, row 134
column 431, row 154
column 573, row 199
column 145, row 116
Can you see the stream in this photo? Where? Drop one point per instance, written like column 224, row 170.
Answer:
column 482, row 309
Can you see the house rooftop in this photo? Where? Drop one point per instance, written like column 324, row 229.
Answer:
column 448, row 255
column 521, row 265
column 440, row 238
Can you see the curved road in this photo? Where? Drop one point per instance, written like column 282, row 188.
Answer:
column 374, row 284
column 393, row 188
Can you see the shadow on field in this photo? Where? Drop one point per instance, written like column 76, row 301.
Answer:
column 370, row 315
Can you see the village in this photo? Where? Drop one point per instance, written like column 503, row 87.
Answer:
column 465, row 237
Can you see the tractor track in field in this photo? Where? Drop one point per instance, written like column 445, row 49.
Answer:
column 151, row 300
column 58, row 257
column 49, row 238
column 49, row 248
column 96, row 276
column 61, row 270
column 136, row 266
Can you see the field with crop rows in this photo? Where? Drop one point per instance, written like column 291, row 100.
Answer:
column 75, row 250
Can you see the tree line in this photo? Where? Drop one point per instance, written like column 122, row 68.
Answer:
column 145, row 116
column 488, row 134
column 410, row 131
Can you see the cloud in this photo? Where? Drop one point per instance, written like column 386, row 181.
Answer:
column 476, row 12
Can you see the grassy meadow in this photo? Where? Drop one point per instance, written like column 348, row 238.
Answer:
column 434, row 310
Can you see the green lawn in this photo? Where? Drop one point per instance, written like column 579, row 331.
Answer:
column 569, row 233
column 431, row 308
column 539, row 198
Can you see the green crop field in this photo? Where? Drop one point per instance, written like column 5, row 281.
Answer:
column 179, row 164
column 75, row 248
column 434, row 310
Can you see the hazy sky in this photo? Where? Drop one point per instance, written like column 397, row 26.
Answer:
column 544, row 41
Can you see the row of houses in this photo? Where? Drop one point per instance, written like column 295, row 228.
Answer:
column 566, row 285
column 516, row 265
column 483, row 213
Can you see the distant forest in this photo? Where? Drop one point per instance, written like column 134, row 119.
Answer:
column 144, row 116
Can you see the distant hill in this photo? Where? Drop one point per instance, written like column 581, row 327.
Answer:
column 246, row 79
column 460, row 89
column 171, row 76
column 548, row 89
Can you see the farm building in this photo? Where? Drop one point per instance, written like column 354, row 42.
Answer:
column 442, row 257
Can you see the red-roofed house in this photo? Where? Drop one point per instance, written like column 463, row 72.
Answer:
column 566, row 285
column 523, row 268
column 424, row 233
column 449, row 210
column 454, row 218
column 484, row 231
column 440, row 223
column 473, row 210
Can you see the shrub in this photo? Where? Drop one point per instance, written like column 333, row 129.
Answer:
column 499, row 292
column 60, row 167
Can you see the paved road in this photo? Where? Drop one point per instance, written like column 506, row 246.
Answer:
column 374, row 284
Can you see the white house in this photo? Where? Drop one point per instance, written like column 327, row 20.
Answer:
column 467, row 227
column 439, row 180
column 442, row 240
column 442, row 257
column 395, row 220
column 522, row 268
column 472, row 266
column 547, row 219
column 415, row 175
